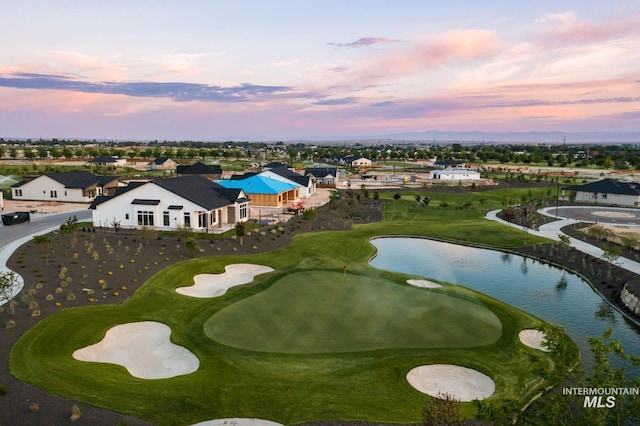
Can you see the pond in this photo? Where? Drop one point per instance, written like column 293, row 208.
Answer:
column 548, row 292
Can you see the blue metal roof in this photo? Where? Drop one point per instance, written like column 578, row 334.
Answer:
column 259, row 185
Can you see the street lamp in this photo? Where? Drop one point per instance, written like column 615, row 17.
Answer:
column 557, row 197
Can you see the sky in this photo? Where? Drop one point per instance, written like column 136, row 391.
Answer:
column 282, row 70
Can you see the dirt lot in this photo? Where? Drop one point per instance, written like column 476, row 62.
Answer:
column 41, row 206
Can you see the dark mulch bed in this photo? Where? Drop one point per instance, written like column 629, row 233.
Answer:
column 41, row 266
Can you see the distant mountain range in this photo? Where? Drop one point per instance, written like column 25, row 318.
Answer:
column 492, row 137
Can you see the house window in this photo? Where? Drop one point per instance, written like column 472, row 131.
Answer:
column 243, row 211
column 165, row 219
column 18, row 192
column 187, row 220
column 145, row 218
column 213, row 217
column 65, row 193
column 54, row 194
column 604, row 196
column 126, row 216
column 202, row 219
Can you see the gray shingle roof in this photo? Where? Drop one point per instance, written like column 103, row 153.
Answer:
column 199, row 190
column 321, row 171
column 80, row 179
column 608, row 186
column 291, row 175
column 194, row 188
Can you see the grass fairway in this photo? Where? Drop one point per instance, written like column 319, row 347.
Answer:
column 303, row 343
column 323, row 312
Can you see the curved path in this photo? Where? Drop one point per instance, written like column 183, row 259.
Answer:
column 569, row 215
column 12, row 237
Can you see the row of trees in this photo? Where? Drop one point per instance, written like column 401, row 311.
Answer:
column 604, row 156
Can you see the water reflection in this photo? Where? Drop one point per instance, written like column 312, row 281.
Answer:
column 562, row 282
column 543, row 290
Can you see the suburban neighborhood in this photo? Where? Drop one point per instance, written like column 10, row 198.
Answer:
column 148, row 214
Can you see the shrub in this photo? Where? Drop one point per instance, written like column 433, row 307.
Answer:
column 3, row 390
column 34, row 407
column 75, row 413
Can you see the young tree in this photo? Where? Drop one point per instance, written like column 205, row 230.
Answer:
column 630, row 240
column 240, row 229
column 565, row 240
column 9, row 285
column 192, row 245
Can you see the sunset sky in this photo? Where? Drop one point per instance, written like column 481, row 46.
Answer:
column 271, row 70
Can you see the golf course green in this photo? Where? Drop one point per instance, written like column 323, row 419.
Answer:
column 309, row 341
column 323, row 312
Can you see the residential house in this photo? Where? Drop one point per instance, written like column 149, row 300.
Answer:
column 454, row 174
column 213, row 172
column 326, row 177
column 265, row 191
column 607, row 191
column 448, row 163
column 192, row 202
column 107, row 161
column 73, row 187
column 163, row 163
column 307, row 184
column 361, row 162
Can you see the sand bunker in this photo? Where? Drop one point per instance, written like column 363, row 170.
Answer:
column 463, row 384
column 533, row 338
column 238, row 422
column 213, row 285
column 144, row 349
column 423, row 283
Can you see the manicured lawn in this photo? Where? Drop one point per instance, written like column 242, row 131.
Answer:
column 302, row 343
column 328, row 312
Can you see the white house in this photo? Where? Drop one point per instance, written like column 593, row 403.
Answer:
column 326, row 177
column 167, row 204
column 307, row 184
column 454, row 174
column 361, row 162
column 609, row 192
column 74, row 187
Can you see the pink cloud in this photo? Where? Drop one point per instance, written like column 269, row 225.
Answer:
column 581, row 32
column 454, row 47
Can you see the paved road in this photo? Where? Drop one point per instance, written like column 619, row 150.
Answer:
column 593, row 214
column 12, row 237
column 38, row 224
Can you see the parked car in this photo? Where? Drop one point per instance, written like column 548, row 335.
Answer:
column 15, row 217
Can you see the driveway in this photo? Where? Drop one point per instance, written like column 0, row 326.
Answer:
column 12, row 237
